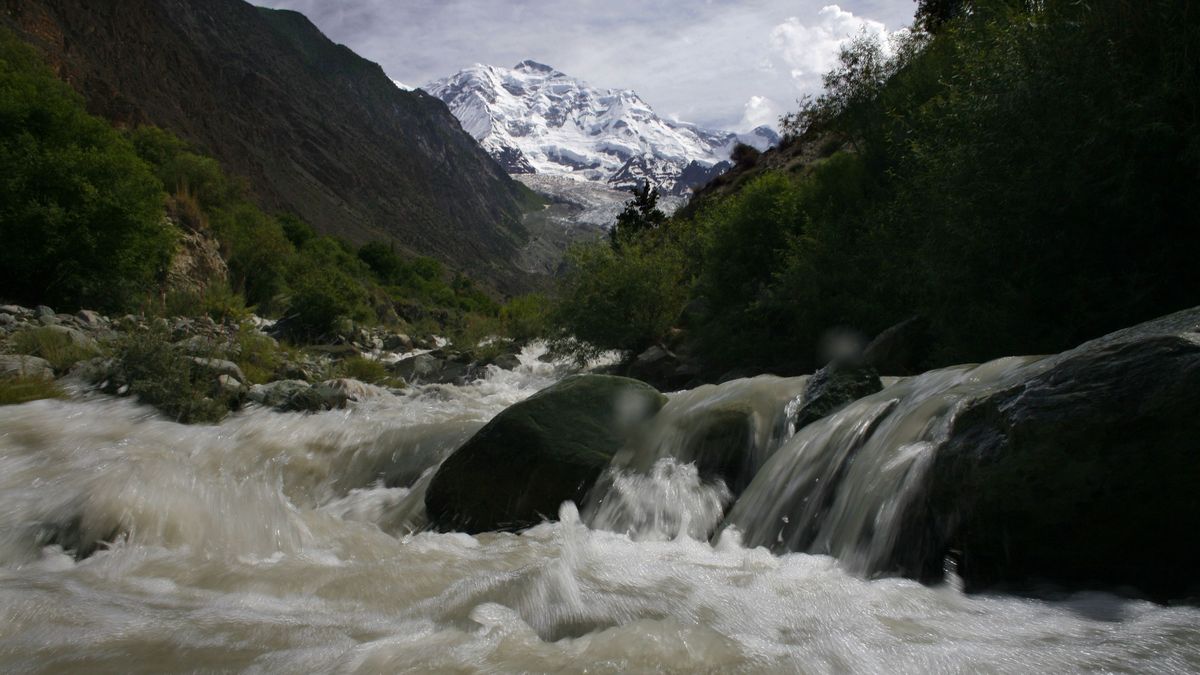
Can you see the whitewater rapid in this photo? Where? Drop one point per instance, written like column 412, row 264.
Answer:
column 293, row 543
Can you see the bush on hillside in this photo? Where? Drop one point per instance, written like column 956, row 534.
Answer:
column 81, row 216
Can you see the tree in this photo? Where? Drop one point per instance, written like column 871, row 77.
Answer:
column 81, row 215
column 640, row 215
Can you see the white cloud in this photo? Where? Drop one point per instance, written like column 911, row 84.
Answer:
column 809, row 50
column 759, row 111
column 701, row 60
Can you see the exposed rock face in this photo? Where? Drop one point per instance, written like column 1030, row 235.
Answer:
column 1085, row 473
column 196, row 265
column 317, row 130
column 550, row 448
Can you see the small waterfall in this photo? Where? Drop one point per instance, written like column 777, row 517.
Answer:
column 844, row 485
column 702, row 449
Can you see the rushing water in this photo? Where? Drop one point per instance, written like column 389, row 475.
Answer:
column 270, row 543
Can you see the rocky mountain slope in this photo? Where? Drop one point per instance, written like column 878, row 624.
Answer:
column 535, row 119
column 315, row 129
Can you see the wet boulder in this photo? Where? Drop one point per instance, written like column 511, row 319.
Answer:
column 662, row 368
column 1084, row 473
column 901, row 349
column 833, row 387
column 519, row 469
column 721, row 444
column 276, row 393
column 430, row 369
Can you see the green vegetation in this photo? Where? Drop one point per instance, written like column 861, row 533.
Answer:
column 620, row 299
column 1024, row 177
column 365, row 370
column 160, row 374
column 89, row 217
column 80, row 214
column 62, row 348
column 16, row 390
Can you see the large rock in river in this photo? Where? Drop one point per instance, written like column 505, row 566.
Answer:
column 1085, row 472
column 533, row 456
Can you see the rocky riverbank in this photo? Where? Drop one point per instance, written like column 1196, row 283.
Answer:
column 199, row 369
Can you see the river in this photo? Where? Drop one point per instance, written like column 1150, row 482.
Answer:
column 273, row 543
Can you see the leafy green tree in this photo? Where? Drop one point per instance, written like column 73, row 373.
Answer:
column 81, row 216
column 624, row 300
column 641, row 214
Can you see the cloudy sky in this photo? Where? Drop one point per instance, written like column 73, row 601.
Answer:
column 722, row 63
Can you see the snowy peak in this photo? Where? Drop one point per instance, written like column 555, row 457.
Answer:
column 535, row 119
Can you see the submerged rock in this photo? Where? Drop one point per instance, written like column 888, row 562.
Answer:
column 1084, row 473
column 832, row 388
column 519, row 469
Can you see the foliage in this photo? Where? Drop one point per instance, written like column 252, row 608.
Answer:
column 17, row 390
column 80, row 213
column 1023, row 178
column 526, row 317
column 258, row 355
column 161, row 375
column 365, row 370
column 641, row 214
column 623, row 300
column 218, row 301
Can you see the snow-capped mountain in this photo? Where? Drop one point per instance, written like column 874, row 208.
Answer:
column 535, row 119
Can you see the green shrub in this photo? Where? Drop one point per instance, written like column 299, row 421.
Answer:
column 81, row 216
column 624, row 300
column 217, row 301
column 364, row 369
column 526, row 317
column 259, row 356
column 16, row 390
column 161, row 375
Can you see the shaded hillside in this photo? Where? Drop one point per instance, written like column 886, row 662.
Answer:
column 314, row 128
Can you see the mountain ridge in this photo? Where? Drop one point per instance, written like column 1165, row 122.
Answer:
column 314, row 129
column 534, row 118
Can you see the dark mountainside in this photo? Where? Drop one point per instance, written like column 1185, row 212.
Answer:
column 316, row 130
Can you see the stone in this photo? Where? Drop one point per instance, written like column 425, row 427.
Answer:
column 16, row 365
column 75, row 337
column 834, row 387
column 901, row 349
column 398, row 342
column 428, row 369
column 1083, row 473
column 276, row 393
column 550, row 448
column 662, row 368
column 507, row 362
column 219, row 367
column 91, row 319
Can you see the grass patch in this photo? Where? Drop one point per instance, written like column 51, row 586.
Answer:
column 16, row 390
column 56, row 346
column 364, row 370
column 258, row 356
